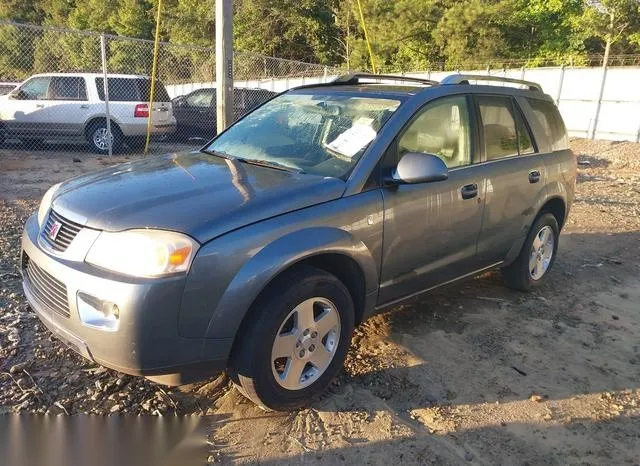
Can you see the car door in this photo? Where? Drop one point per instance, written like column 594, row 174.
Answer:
column 431, row 229
column 514, row 174
column 23, row 112
column 67, row 106
column 195, row 114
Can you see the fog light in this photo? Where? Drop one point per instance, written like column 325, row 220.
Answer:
column 98, row 314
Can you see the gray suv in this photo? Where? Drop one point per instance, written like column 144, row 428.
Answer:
column 259, row 253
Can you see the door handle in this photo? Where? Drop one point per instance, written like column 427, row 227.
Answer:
column 39, row 105
column 534, row 176
column 469, row 191
column 84, row 106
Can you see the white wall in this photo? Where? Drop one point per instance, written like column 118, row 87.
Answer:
column 575, row 90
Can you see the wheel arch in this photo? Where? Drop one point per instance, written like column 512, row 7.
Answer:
column 97, row 119
column 332, row 250
column 557, row 207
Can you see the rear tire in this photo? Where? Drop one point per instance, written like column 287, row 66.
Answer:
column 3, row 136
column 537, row 256
column 296, row 339
column 96, row 135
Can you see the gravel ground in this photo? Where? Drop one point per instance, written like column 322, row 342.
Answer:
column 474, row 373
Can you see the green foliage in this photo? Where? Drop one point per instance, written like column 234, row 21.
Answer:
column 405, row 35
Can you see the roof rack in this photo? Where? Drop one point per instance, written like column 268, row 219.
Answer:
column 354, row 78
column 465, row 78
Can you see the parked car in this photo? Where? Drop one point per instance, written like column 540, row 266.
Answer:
column 260, row 253
column 196, row 112
column 71, row 106
column 5, row 87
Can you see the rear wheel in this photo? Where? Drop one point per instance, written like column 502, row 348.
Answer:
column 537, row 255
column 296, row 340
column 3, row 135
column 97, row 137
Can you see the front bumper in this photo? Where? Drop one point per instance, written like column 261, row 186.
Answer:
column 146, row 341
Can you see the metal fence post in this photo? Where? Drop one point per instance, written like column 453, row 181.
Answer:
column 103, row 50
column 599, row 104
column 560, row 85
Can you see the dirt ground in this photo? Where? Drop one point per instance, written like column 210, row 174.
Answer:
column 471, row 374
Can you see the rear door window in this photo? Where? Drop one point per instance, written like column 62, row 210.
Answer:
column 549, row 118
column 498, row 126
column 67, row 88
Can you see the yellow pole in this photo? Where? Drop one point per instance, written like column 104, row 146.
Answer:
column 153, row 76
column 366, row 37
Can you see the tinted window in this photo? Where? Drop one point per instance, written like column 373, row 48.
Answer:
column 200, row 99
column 131, row 90
column 67, row 88
column 35, row 88
column 160, row 93
column 442, row 129
column 499, row 127
column 525, row 145
column 548, row 116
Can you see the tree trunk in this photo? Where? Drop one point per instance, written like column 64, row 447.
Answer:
column 607, row 48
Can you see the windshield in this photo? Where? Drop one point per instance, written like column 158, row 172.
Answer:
column 322, row 134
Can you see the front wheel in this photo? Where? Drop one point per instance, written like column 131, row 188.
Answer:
column 536, row 257
column 296, row 340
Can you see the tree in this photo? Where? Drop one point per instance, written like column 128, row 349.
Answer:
column 611, row 22
column 294, row 29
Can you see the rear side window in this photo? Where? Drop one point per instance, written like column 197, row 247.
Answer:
column 67, row 88
column 160, row 93
column 548, row 116
column 131, row 90
column 499, row 127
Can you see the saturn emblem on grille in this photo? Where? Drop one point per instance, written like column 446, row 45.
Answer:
column 55, row 229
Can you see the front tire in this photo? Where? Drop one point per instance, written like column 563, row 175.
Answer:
column 537, row 256
column 296, row 340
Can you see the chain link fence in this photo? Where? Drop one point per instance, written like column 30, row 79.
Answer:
column 53, row 95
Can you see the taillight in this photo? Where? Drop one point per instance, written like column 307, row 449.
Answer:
column 141, row 111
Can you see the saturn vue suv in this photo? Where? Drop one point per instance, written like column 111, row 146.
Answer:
column 258, row 254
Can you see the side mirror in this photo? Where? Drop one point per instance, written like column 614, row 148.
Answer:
column 179, row 101
column 417, row 167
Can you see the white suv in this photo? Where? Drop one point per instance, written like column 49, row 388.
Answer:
column 71, row 106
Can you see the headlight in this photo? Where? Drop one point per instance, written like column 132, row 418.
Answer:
column 143, row 253
column 45, row 204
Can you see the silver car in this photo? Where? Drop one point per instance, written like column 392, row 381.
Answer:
column 260, row 253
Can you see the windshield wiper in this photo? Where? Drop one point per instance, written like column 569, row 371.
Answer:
column 270, row 164
column 217, row 153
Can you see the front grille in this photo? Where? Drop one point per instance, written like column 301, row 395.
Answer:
column 68, row 231
column 48, row 290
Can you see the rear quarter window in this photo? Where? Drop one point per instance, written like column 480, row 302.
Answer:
column 548, row 116
column 132, row 90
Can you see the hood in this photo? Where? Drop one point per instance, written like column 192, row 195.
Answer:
column 198, row 194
